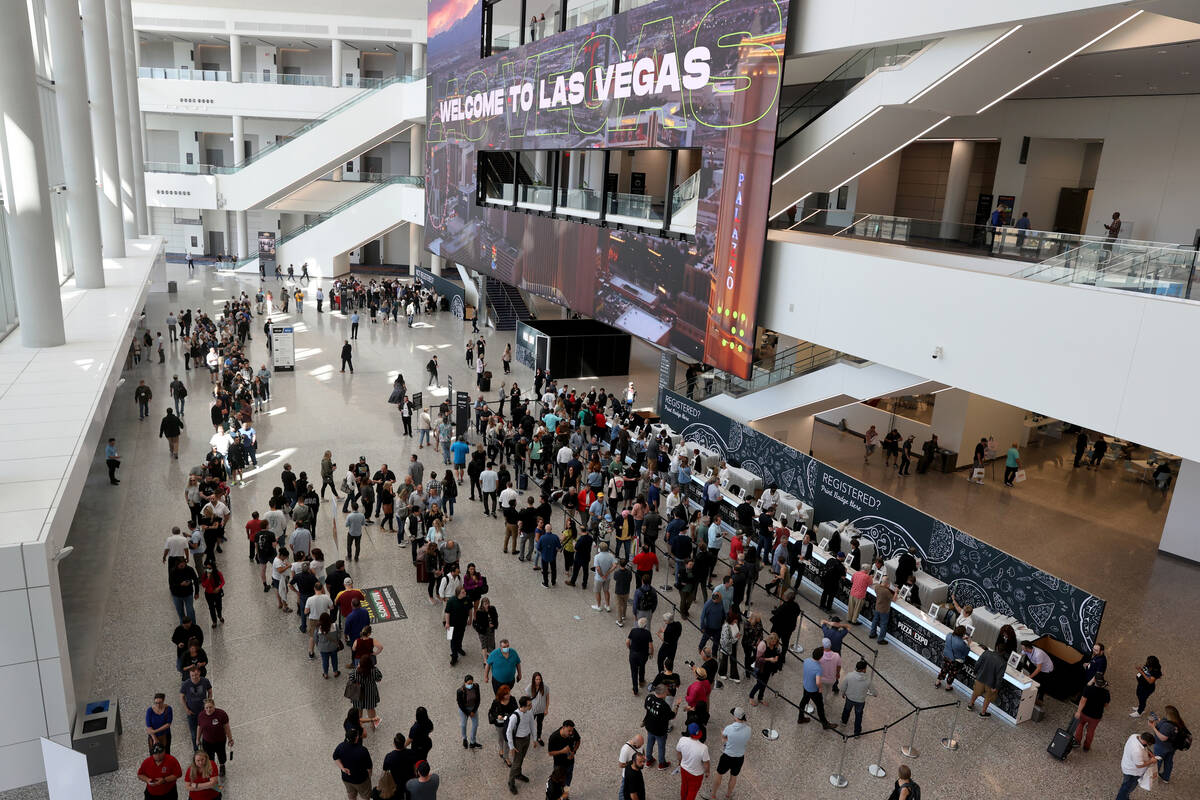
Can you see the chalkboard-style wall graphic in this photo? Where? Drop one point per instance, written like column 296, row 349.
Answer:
column 978, row 573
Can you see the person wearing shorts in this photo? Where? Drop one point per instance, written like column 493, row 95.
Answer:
column 604, row 564
column 734, row 738
column 989, row 671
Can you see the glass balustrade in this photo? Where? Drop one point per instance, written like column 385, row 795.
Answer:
column 684, row 203
column 581, row 12
column 183, row 74
column 767, row 370
column 276, row 78
column 1132, row 265
column 639, row 210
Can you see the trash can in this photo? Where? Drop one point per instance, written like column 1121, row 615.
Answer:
column 946, row 461
column 97, row 726
column 172, row 287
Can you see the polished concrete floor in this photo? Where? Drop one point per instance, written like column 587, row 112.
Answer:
column 286, row 719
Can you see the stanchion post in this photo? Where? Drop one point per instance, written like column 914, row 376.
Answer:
column 950, row 743
column 838, row 779
column 876, row 770
column 871, row 683
column 910, row 750
column 770, row 733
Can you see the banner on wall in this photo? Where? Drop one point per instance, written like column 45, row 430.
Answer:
column 699, row 77
column 266, row 252
column 978, row 573
column 446, row 288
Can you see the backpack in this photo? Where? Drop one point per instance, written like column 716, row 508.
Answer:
column 1182, row 739
column 645, row 599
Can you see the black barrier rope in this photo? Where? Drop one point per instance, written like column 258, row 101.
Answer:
column 572, row 515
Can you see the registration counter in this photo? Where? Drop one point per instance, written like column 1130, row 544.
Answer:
column 910, row 629
column 913, row 630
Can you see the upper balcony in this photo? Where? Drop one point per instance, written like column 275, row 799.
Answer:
column 368, row 118
column 1065, row 336
column 275, row 96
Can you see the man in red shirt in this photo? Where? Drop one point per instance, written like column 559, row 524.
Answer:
column 345, row 599
column 159, row 772
column 645, row 562
column 737, row 545
column 252, row 528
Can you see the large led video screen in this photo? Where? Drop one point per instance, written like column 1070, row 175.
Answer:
column 695, row 76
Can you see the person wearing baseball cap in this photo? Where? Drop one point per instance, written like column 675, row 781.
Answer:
column 734, row 738
column 693, row 762
column 159, row 772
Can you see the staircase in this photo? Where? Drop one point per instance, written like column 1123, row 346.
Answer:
column 507, row 305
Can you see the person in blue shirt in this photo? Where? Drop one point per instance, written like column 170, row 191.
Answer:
column 503, row 666
column 458, row 453
column 159, row 717
column 112, row 459
column 355, row 621
column 835, row 631
column 1022, row 226
column 954, row 654
column 1012, row 463
column 812, row 688
column 548, row 545
column 712, row 617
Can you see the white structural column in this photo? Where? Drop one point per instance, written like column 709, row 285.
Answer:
column 26, row 188
column 1180, row 536
column 335, row 63
column 418, row 58
column 137, row 126
column 243, row 237
column 239, row 138
column 956, row 187
column 235, row 58
column 135, row 118
column 121, row 115
column 416, row 166
column 70, row 96
column 104, row 136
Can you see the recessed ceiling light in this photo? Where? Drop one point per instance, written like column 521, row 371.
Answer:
column 1055, row 78
column 1185, row 72
column 1118, row 75
column 1162, row 52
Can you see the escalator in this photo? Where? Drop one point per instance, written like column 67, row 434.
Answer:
column 363, row 218
column 370, row 118
column 880, row 99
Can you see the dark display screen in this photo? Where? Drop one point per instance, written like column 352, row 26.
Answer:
column 673, row 75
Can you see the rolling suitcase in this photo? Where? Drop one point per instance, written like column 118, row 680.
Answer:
column 1061, row 744
column 523, row 482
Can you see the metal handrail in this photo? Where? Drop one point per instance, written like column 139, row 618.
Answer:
column 868, row 55
column 792, row 362
column 414, row 180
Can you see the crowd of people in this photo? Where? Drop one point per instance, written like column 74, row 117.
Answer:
column 567, row 473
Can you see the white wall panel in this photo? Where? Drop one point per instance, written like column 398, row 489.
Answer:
column 1035, row 351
